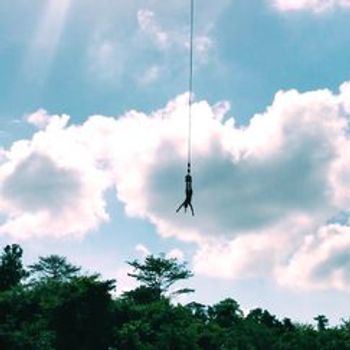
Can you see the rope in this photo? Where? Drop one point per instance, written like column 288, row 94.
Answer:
column 190, row 88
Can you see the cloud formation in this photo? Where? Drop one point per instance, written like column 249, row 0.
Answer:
column 50, row 185
column 106, row 60
column 147, row 23
column 40, row 118
column 271, row 197
column 159, row 35
column 311, row 5
column 37, row 182
column 321, row 260
column 173, row 39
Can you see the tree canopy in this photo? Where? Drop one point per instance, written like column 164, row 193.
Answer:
column 63, row 309
column 11, row 267
column 53, row 267
column 160, row 273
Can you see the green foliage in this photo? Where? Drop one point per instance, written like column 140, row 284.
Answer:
column 82, row 319
column 64, row 310
column 143, row 295
column 322, row 322
column 11, row 267
column 23, row 321
column 58, row 310
column 53, row 267
column 226, row 313
column 155, row 325
column 57, row 315
column 160, row 273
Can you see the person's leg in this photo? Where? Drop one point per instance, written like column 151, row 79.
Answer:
column 181, row 205
column 192, row 210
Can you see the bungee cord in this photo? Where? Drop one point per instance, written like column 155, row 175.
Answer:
column 190, row 90
column 188, row 178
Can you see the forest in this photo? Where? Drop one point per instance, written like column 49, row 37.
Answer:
column 52, row 304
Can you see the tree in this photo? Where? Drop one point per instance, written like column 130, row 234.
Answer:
column 82, row 319
column 160, row 273
column 264, row 328
column 264, row 317
column 69, row 315
column 198, row 311
column 153, row 326
column 143, row 295
column 322, row 322
column 54, row 267
column 23, row 323
column 11, row 267
column 288, row 325
column 226, row 313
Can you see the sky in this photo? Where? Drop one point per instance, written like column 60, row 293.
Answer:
column 93, row 143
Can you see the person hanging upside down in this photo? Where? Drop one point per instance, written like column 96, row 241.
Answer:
column 188, row 199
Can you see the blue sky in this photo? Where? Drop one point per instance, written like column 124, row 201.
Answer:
column 93, row 143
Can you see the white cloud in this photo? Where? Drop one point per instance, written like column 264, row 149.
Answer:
column 150, row 75
column 313, row 5
column 40, row 118
column 259, row 190
column 202, row 47
column 51, row 185
column 106, row 60
column 142, row 250
column 176, row 254
column 156, row 44
column 173, row 39
column 248, row 253
column 322, row 261
column 125, row 283
column 148, row 24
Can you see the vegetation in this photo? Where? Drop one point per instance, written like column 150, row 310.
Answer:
column 53, row 306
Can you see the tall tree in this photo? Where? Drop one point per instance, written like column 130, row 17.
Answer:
column 264, row 317
column 83, row 317
column 322, row 322
column 159, row 273
column 54, row 267
column 11, row 267
column 226, row 313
